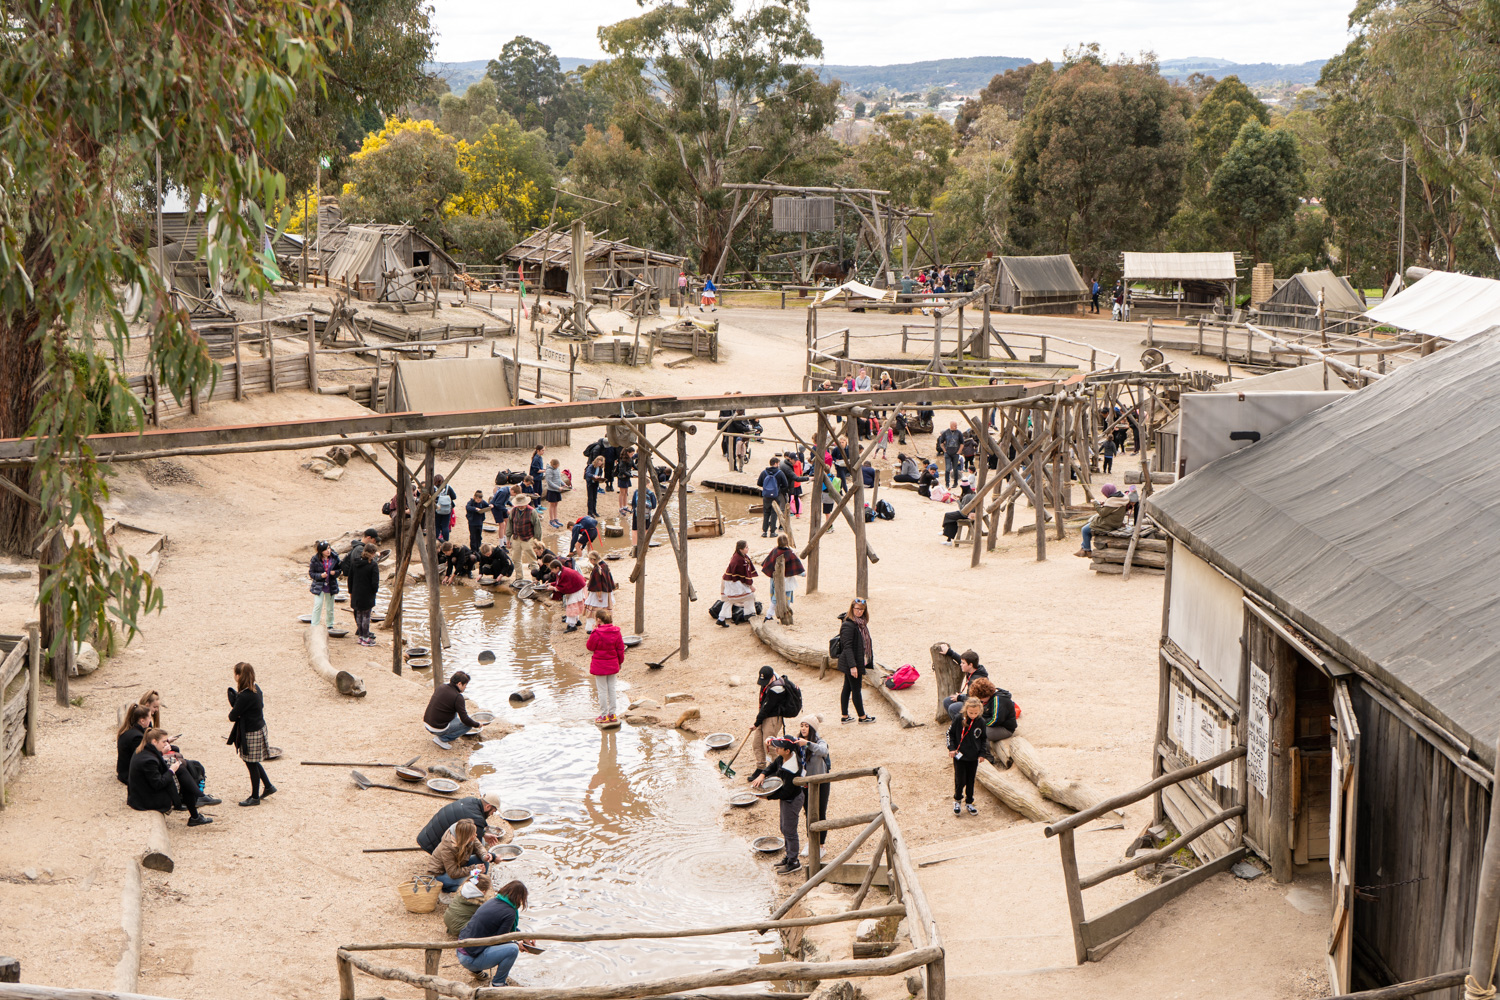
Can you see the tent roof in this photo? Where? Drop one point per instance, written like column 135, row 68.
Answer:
column 556, row 249
column 1044, row 275
column 446, row 385
column 1368, row 524
column 1444, row 305
column 1338, row 294
column 333, row 239
column 1179, row 266
column 1305, row 378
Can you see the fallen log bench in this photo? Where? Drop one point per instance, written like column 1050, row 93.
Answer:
column 317, row 658
column 158, row 854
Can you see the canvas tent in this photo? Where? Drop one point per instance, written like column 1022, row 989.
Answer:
column 1201, row 277
column 365, row 257
column 456, row 385
column 1332, row 606
column 1039, row 284
column 1296, row 301
column 1444, row 305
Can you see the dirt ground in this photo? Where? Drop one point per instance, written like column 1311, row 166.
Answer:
column 260, row 899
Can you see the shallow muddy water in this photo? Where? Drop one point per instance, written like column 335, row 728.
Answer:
column 627, row 831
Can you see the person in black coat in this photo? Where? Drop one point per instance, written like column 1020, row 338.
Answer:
column 247, row 712
column 495, row 562
column 364, row 583
column 786, row 765
column 971, row 670
column 967, row 743
column 137, row 721
column 153, row 783
column 856, row 655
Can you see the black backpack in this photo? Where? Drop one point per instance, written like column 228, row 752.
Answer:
column 884, row 510
column 596, row 449
column 791, row 698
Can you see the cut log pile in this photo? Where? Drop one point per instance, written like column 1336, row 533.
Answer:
column 1109, row 554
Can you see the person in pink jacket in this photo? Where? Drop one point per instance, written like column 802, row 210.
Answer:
column 608, row 647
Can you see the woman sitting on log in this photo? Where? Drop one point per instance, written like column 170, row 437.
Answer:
column 128, row 741
column 1000, row 712
column 157, row 781
column 458, row 855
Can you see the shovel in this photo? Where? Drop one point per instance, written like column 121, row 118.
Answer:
column 664, row 659
column 363, row 782
column 728, row 768
column 344, row 763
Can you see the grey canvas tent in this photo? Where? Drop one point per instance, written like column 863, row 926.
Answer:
column 365, row 257
column 1295, row 302
column 1039, row 284
column 456, row 385
column 1332, row 606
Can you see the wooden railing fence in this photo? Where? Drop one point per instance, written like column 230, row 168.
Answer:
column 926, row 951
column 1093, row 939
column 20, row 692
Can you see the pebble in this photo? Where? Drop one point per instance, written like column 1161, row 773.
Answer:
column 335, row 474
column 646, row 705
column 734, row 680
column 676, row 696
column 30, row 873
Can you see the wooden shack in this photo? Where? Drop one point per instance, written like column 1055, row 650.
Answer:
column 1039, row 285
column 409, row 248
column 1312, row 300
column 1331, row 605
column 545, row 257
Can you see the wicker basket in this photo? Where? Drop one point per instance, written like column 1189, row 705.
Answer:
column 419, row 894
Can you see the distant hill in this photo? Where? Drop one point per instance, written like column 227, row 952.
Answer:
column 1250, row 74
column 460, row 74
column 965, row 76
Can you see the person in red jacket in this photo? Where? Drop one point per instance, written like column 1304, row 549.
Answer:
column 608, row 647
column 568, row 586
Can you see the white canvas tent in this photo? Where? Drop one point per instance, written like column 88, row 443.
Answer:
column 367, row 256
column 1444, row 305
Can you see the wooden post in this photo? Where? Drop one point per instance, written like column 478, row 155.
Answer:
column 814, row 810
column 1074, row 893
column 1038, row 500
column 239, row 366
column 56, row 633
column 645, row 472
column 1059, row 456
column 1283, row 705
column 429, row 559
column 684, row 584
column 815, row 521
column 312, row 354
column 976, row 517
column 1485, row 945
column 861, row 563
column 34, row 685
column 434, row 956
column 393, row 607
column 270, row 346
column 778, row 592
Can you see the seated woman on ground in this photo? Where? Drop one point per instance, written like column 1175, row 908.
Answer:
column 927, row 480
column 158, row 781
column 457, row 855
column 128, row 738
column 909, row 471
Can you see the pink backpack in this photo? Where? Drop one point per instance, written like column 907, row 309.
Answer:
column 903, row 678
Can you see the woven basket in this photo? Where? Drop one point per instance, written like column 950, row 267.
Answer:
column 419, row 894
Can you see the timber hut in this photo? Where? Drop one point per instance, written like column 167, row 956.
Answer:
column 1332, row 607
column 544, row 260
column 403, row 245
column 1312, row 300
column 1039, row 285
column 1203, row 280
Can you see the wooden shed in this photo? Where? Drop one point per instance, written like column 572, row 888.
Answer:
column 1332, row 606
column 409, row 248
column 544, row 259
column 1039, row 285
column 1297, row 302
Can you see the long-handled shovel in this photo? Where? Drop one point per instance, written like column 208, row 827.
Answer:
column 363, row 782
column 663, row 662
column 728, row 768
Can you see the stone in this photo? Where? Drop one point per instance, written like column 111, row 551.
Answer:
column 483, row 599
column 334, row 474
column 675, row 696
column 340, row 454
column 15, row 573
column 914, row 984
column 30, row 873
column 642, row 720
column 842, row 989
column 734, row 680
column 645, row 705
column 85, row 660
column 867, row 930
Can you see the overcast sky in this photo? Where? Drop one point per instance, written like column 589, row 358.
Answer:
column 895, row 31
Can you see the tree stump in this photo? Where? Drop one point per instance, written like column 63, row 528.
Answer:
column 948, row 675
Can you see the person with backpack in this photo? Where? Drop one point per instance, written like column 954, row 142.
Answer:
column 970, row 670
column 772, row 487
column 791, row 568
column 966, row 745
column 593, row 478
column 791, row 796
column 1000, row 715
column 780, row 700
column 446, row 500
column 737, row 592
column 624, row 466
column 856, row 655
column 791, row 473
column 830, row 490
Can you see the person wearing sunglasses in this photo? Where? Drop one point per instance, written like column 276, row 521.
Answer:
column 856, row 655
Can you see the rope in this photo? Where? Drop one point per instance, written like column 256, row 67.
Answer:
column 1473, row 991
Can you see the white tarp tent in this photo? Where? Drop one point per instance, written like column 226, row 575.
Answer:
column 366, row 256
column 1178, row 266
column 857, row 288
column 1444, row 305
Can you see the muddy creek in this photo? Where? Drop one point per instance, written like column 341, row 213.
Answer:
column 627, row 829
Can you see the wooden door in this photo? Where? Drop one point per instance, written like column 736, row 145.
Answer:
column 1343, row 812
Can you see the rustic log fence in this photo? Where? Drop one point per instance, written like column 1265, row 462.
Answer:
column 20, row 692
column 1093, row 939
column 926, row 952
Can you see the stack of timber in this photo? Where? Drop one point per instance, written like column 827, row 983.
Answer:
column 618, row 351
column 18, row 705
column 699, row 339
column 1109, row 553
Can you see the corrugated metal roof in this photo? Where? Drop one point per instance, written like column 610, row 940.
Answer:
column 176, row 228
column 1044, row 275
column 1370, row 523
column 1179, row 266
column 1338, row 294
column 1444, row 305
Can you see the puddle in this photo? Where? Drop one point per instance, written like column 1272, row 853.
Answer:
column 627, row 829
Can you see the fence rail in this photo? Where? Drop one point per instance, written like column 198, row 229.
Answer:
column 926, row 952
